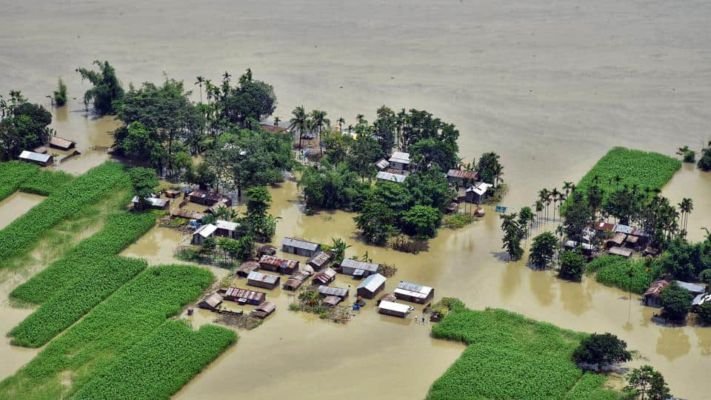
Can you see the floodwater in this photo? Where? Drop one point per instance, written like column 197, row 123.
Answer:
column 550, row 86
column 13, row 206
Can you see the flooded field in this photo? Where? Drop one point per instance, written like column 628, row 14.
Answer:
column 15, row 205
column 549, row 86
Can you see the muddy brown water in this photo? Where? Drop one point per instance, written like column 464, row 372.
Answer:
column 549, row 86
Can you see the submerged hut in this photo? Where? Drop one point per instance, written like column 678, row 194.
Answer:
column 295, row 281
column 413, row 292
column 265, row 281
column 333, row 291
column 152, row 202
column 319, row 260
column 325, row 277
column 477, row 192
column 331, row 301
column 264, row 310
column 274, row 264
column 266, row 250
column 246, row 267
column 370, row 286
column 652, row 297
column 226, row 229
column 211, row 302
column 620, row 251
column 400, row 161
column 208, row 198
column 394, row 309
column 299, row 247
column 245, row 296
column 36, row 158
column 358, row 269
column 61, row 143
column 460, row 177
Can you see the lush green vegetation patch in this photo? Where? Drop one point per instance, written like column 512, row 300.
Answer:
column 46, row 182
column 631, row 275
column 511, row 357
column 12, row 174
column 161, row 364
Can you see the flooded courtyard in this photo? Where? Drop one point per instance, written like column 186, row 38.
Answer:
column 549, row 86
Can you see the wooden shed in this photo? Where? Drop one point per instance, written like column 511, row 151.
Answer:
column 370, row 286
column 246, row 267
column 320, row 260
column 299, row 247
column 325, row 277
column 275, row 264
column 208, row 198
column 227, row 229
column 358, row 269
column 245, row 296
column 211, row 302
column 460, row 177
column 266, row 281
column 620, row 251
column 414, row 292
column 331, row 301
column 652, row 297
column 264, row 310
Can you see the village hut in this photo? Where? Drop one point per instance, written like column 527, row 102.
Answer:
column 208, row 198
column 394, row 309
column 245, row 296
column 604, row 227
column 390, row 177
column 280, row 265
column 370, row 286
column 41, row 150
column 264, row 310
column 299, row 247
column 203, row 233
column 477, row 192
column 227, row 229
column 266, row 250
column 320, row 260
column 414, row 292
column 694, row 288
column 211, row 302
column 325, row 277
column 171, row 194
column 333, row 291
column 36, row 158
column 266, row 281
column 295, row 281
column 652, row 297
column 151, row 202
column 61, row 143
column 620, row 251
column 246, row 267
column 382, row 164
column 400, row 161
column 460, row 177
column 358, row 269
column 187, row 214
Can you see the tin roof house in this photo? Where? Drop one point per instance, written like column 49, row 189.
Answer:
column 299, row 247
column 203, row 233
column 414, row 292
column 371, row 286
column 358, row 269
column 400, row 161
column 36, row 158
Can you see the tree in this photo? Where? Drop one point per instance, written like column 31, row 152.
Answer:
column 23, row 126
column 489, row 168
column 430, row 188
column 705, row 161
column 258, row 201
column 647, row 384
column 247, row 103
column 685, row 206
column 259, row 224
column 578, row 216
column 60, row 95
column 376, row 222
column 106, row 90
column 364, row 152
column 320, row 122
column 599, row 351
column 543, row 250
column 525, row 219
column 688, row 155
column 331, row 188
column 513, row 234
column 241, row 249
column 572, row 266
column 385, row 126
column 338, row 249
column 299, row 122
column 144, row 181
column 676, row 302
column 705, row 277
column 704, row 313
column 421, row 221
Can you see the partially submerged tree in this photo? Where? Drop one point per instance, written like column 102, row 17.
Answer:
column 543, row 250
column 106, row 90
column 513, row 235
column 676, row 302
column 645, row 383
column 572, row 266
column 60, row 95
column 600, row 351
column 23, row 126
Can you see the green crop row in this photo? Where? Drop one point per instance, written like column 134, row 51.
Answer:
column 121, row 229
column 107, row 333
column 12, row 174
column 160, row 365
column 630, row 275
column 46, row 182
column 510, row 357
column 18, row 237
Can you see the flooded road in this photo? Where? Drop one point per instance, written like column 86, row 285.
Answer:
column 551, row 86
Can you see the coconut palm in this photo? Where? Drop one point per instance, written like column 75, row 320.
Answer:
column 554, row 198
column 299, row 122
column 685, row 206
column 200, row 81
column 544, row 198
column 539, row 210
column 318, row 122
column 340, row 121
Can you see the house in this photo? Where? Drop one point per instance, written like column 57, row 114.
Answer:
column 620, row 251
column 459, row 177
column 617, row 240
column 626, row 229
column 187, row 214
column 382, row 164
column 604, row 227
column 211, row 302
column 266, row 281
column 319, row 260
column 358, row 269
column 264, row 310
column 36, row 158
column 370, row 286
column 207, row 198
column 586, row 248
column 227, row 229
column 333, row 291
column 61, row 143
column 413, row 292
column 295, row 281
column 694, row 288
column 331, row 301
column 152, row 202
column 222, row 203
column 274, row 264
column 390, row 177
column 266, row 250
column 652, row 297
column 202, row 233
column 246, row 267
column 400, row 161
column 477, row 192
column 299, row 247
column 245, row 296
column 394, row 309
column 325, row 277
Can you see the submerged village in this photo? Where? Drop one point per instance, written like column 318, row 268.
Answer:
column 202, row 164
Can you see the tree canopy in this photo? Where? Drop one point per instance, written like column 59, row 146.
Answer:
column 601, row 351
column 645, row 383
column 106, row 90
column 543, row 249
column 23, row 126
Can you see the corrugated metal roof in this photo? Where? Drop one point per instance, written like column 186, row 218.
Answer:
column 226, row 225
column 382, row 164
column 320, row 259
column 624, row 229
column 400, row 157
column 458, row 173
column 206, row 230
column 260, row 277
column 372, row 283
column 414, row 287
column 395, row 307
column 692, row 287
column 299, row 244
column 61, row 143
column 32, row 156
column 333, row 291
column 387, row 176
column 355, row 264
column 479, row 188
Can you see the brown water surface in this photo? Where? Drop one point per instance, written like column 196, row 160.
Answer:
column 18, row 203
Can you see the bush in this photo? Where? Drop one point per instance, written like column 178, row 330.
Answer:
column 601, row 351
column 457, row 220
column 630, row 275
column 572, row 265
column 704, row 313
column 543, row 250
column 676, row 302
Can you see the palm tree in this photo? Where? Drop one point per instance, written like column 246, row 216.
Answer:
column 299, row 122
column 544, row 198
column 554, row 198
column 319, row 121
column 539, row 209
column 199, row 81
column 686, row 206
column 340, row 121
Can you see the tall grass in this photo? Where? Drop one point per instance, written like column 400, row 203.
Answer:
column 12, row 174
column 630, row 275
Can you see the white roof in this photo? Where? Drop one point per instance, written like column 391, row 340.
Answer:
column 206, row 230
column 479, row 188
column 382, row 164
column 387, row 176
column 623, row 229
column 32, row 156
column 226, row 225
column 300, row 244
column 355, row 264
column 372, row 283
column 153, row 201
column 413, row 290
column 400, row 157
column 392, row 306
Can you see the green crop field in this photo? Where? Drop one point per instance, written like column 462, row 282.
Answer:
column 12, row 174
column 46, row 182
column 107, row 333
column 160, row 365
column 629, row 275
column 512, row 357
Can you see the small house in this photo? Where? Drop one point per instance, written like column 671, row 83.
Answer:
column 266, row 281
column 400, row 161
column 413, row 292
column 211, row 302
column 652, row 297
column 394, row 309
column 331, row 301
column 382, row 164
column 325, row 277
column 245, row 296
column 280, row 265
column 203, row 233
column 390, row 177
column 246, row 267
column 333, row 291
column 358, row 269
column 370, row 286
column 299, row 247
column 617, row 240
column 264, row 310
column 320, row 260
column 61, row 143
column 604, row 227
column 36, row 158
column 626, row 229
column 208, row 198
column 476, row 193
column 227, row 229
column 620, row 251
column 266, row 250
column 187, row 214
column 459, row 177
column 295, row 281
column 152, row 202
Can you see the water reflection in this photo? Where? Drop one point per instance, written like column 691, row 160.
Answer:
column 673, row 343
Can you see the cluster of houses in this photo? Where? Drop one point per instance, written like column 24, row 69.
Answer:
column 616, row 239
column 652, row 297
column 41, row 155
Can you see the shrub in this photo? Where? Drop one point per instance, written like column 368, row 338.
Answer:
column 572, row 265
column 676, row 302
column 631, row 275
column 601, row 350
column 457, row 220
column 704, row 313
column 543, row 250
